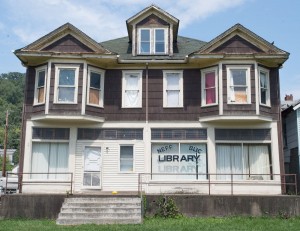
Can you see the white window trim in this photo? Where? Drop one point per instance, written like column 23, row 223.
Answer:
column 65, row 66
column 248, row 82
column 203, row 96
column 165, row 88
column 101, row 72
column 267, row 73
column 152, row 40
column 37, row 71
column 133, row 158
column 140, row 86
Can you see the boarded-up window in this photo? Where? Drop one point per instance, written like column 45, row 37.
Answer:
column 40, row 85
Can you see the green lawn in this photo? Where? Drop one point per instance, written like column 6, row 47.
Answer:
column 155, row 224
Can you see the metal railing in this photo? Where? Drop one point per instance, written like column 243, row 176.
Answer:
column 209, row 179
column 31, row 180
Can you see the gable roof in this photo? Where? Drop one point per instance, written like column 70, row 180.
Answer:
column 152, row 9
column 246, row 34
column 62, row 31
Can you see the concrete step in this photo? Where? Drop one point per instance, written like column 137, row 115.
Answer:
column 100, row 205
column 125, row 200
column 100, row 210
column 102, row 215
column 97, row 221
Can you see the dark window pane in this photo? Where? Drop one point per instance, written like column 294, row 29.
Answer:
column 95, row 80
column 67, row 77
column 41, row 79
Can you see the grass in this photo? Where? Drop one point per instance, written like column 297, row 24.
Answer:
column 156, row 224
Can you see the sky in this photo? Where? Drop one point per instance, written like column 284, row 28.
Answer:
column 24, row 21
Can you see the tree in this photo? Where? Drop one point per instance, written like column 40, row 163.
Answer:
column 11, row 99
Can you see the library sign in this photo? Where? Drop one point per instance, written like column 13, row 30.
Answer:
column 178, row 158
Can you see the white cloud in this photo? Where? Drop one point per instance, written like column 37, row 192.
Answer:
column 102, row 20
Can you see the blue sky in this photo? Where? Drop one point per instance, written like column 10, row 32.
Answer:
column 23, row 22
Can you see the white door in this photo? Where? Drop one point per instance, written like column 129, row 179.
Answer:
column 92, row 167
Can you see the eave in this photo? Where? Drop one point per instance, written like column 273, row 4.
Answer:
column 68, row 119
column 235, row 119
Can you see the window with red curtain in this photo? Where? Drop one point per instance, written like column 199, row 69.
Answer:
column 210, row 88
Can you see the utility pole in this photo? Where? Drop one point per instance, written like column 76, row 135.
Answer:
column 5, row 144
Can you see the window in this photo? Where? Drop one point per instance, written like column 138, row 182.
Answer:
column 66, row 82
column 40, row 89
column 238, row 82
column 246, row 161
column 173, row 161
column 126, row 158
column 152, row 41
column 209, row 87
column 173, row 89
column 132, row 89
column 264, row 87
column 48, row 157
column 95, row 87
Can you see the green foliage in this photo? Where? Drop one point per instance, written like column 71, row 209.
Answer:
column 9, row 167
column 11, row 99
column 167, row 208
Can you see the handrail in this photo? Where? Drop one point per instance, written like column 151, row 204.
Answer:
column 38, row 181
column 208, row 181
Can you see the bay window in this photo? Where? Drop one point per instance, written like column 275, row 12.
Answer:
column 132, row 89
column 238, row 82
column 209, row 87
column 40, row 89
column 173, row 88
column 95, row 87
column 152, row 41
column 264, row 87
column 66, row 84
column 244, row 161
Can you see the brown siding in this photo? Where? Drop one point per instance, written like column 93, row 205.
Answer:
column 237, row 45
column 152, row 20
column 68, row 44
column 239, row 109
column 65, row 109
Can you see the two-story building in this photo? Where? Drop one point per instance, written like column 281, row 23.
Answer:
column 187, row 113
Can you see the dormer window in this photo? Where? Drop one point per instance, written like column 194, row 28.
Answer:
column 152, row 41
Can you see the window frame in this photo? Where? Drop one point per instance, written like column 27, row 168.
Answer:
column 36, row 87
column 59, row 67
column 133, row 158
column 139, row 73
column 165, row 95
column 203, row 89
column 247, row 68
column 267, row 74
column 101, row 94
column 242, row 144
column 152, row 42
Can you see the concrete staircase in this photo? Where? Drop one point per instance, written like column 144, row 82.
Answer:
column 100, row 210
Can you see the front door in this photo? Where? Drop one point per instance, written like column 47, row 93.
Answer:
column 92, row 167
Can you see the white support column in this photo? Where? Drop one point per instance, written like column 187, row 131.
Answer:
column 211, row 152
column 48, row 88
column 274, row 150
column 72, row 151
column 256, row 88
column 84, row 90
column 27, row 149
column 220, row 89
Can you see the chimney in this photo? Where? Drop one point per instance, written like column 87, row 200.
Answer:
column 288, row 97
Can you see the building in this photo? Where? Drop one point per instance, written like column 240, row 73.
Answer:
column 184, row 112
column 291, row 135
column 9, row 155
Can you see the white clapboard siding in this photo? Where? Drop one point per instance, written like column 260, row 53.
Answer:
column 112, row 178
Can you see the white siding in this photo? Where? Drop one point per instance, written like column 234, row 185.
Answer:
column 112, row 178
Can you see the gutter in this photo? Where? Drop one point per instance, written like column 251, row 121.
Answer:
column 127, row 61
